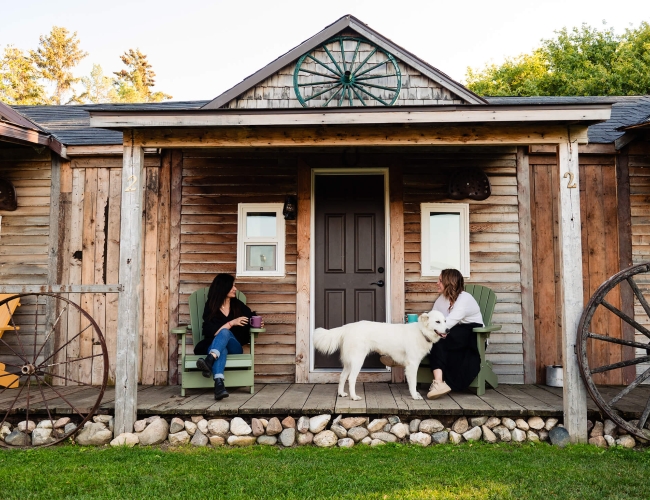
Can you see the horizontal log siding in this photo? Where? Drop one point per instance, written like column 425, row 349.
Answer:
column 494, row 244
column 212, row 187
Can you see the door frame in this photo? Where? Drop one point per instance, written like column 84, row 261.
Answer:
column 328, row 374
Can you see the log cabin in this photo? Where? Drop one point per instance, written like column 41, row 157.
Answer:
column 364, row 140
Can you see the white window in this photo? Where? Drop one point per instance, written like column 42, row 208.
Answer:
column 260, row 240
column 445, row 238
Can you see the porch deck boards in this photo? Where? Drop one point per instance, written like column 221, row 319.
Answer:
column 312, row 399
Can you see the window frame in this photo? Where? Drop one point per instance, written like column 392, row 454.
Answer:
column 242, row 240
column 426, row 209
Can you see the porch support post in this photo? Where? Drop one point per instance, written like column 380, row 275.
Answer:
column 131, row 257
column 575, row 395
column 397, row 303
column 303, row 274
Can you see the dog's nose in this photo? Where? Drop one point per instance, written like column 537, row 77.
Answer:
column 447, row 330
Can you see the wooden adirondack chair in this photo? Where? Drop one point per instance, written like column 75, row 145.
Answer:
column 6, row 312
column 486, row 299
column 240, row 368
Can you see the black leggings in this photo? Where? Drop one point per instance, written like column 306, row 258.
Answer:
column 457, row 356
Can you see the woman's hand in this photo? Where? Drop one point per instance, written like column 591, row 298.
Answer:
column 241, row 321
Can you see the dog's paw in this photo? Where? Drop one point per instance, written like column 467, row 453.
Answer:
column 356, row 398
column 343, row 394
column 416, row 396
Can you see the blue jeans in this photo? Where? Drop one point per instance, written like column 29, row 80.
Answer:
column 224, row 343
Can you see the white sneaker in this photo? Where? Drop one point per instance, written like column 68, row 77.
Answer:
column 438, row 389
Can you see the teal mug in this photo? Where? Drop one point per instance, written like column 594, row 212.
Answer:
column 412, row 318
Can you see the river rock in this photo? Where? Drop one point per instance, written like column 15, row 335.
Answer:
column 125, row 439
column 460, row 426
column 559, row 436
column 178, row 438
column 45, row 424
column 488, row 435
column 149, row 420
column 339, row 430
column 155, row 433
column 267, row 440
column 384, row 436
column 191, row 428
column 474, row 434
column 366, row 440
column 508, row 423
column 318, row 423
column 303, row 425
column 394, row 419
column 477, row 421
column 550, row 423
column 202, row 425
column 346, row 443
column 502, row 432
column 543, row 435
column 626, row 441
column 218, row 427
column 239, row 427
column 400, row 430
column 441, row 437
column 358, row 433
column 241, row 440
column 41, row 436
column 431, row 425
column 104, row 419
column 199, row 439
column 536, row 423
column 264, row 422
column 176, row 425
column 387, row 427
column 610, row 440
column 288, row 437
column 325, row 439
column 377, row 424
column 597, row 430
column 492, row 422
column 62, row 422
column 609, row 428
column 532, row 436
column 377, row 442
column 598, row 441
column 274, row 427
column 414, row 425
column 196, row 418
column 289, row 423
column 96, row 434
column 518, row 436
column 350, row 422
column 257, row 427
column 26, row 426
column 305, row 438
column 139, row 425
column 420, row 438
column 455, row 438
column 217, row 440
column 522, row 424
column 5, row 430
column 17, row 438
column 71, row 427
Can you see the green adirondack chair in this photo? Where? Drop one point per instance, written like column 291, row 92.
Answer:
column 240, row 368
column 486, row 299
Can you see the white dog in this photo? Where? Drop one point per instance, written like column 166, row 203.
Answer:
column 406, row 343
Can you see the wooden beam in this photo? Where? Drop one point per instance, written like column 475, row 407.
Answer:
column 303, row 273
column 176, row 160
column 111, row 149
column 570, row 246
column 396, row 135
column 60, row 289
column 526, row 269
column 585, row 149
column 131, row 257
column 397, row 293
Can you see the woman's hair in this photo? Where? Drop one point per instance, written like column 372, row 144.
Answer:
column 453, row 284
column 221, row 285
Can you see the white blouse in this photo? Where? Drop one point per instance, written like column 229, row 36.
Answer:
column 465, row 310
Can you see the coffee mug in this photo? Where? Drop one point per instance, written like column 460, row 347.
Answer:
column 256, row 321
column 412, row 318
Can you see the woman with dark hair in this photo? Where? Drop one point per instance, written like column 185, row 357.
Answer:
column 455, row 357
column 225, row 330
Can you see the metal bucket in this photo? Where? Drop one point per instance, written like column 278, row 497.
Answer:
column 554, row 375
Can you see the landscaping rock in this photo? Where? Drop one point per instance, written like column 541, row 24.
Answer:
column 274, row 427
column 377, row 424
column 532, row 436
column 45, row 424
column 536, row 423
column 217, row 440
column 474, row 434
column 149, row 420
column 387, row 428
column 267, row 440
column 366, row 440
column 598, row 441
column 460, row 426
column 488, row 435
column 62, row 422
column 522, row 424
column 431, row 425
column 5, row 430
column 455, row 438
column 239, row 427
column 384, row 436
column 550, row 423
column 176, row 425
column 477, row 421
column 257, row 427
column 69, row 428
column 199, row 439
column 414, row 425
column 17, row 438
column 377, row 442
column 325, row 439
column 358, row 433
column 264, row 422
column 139, row 425
column 559, row 436
column 492, row 422
column 421, row 438
column 351, row 422
column 543, row 435
column 400, row 430
column 289, row 423
column 178, row 438
column 597, row 430
column 503, row 433
column 104, row 419
column 191, row 428
column 196, row 418
column 339, row 430
column 508, row 423
column 202, row 425
column 96, row 434
column 241, row 440
column 626, row 441
column 346, row 443
column 518, row 436
column 590, row 425
column 441, row 437
column 305, row 438
column 394, row 419
column 609, row 428
column 41, row 436
column 26, row 426
column 610, row 440
column 318, row 423
column 155, row 433
column 126, row 439
column 288, row 437
column 218, row 427
column 303, row 425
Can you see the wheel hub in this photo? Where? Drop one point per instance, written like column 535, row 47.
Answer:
column 28, row 369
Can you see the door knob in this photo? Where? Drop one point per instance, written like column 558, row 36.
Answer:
column 378, row 283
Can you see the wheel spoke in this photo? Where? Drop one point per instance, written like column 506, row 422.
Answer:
column 629, row 388
column 620, row 364
column 345, row 66
column 350, row 95
column 639, row 295
column 644, row 415
column 50, row 333
column 29, row 386
column 372, row 53
column 20, row 340
column 332, row 97
column 324, row 65
column 345, row 87
column 354, row 57
column 336, row 77
column 35, row 329
column 69, row 379
column 47, row 407
column 626, row 318
column 74, row 360
column 357, row 94
column 59, row 349
column 371, row 95
column 615, row 340
column 64, row 399
column 329, row 54
column 316, row 83
column 373, row 67
column 391, row 89
column 373, row 77
column 11, row 349
column 12, row 405
column 322, row 92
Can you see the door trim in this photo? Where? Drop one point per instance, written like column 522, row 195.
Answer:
column 322, row 374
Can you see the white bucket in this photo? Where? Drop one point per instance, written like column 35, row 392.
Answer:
column 554, row 375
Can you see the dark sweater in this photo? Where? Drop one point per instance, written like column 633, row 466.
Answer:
column 212, row 323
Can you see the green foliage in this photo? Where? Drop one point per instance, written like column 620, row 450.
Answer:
column 134, row 83
column 577, row 62
column 98, row 88
column 19, row 79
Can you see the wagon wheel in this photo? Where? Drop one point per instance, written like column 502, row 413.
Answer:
column 347, row 71
column 43, row 372
column 633, row 352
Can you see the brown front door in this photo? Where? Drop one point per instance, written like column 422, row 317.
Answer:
column 350, row 255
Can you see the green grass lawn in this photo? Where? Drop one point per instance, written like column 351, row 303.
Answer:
column 391, row 471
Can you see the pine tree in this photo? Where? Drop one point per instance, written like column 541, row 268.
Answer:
column 134, row 83
column 98, row 88
column 19, row 79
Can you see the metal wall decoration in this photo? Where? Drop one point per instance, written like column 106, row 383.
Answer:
column 290, row 209
column 469, row 183
column 8, row 200
column 347, row 71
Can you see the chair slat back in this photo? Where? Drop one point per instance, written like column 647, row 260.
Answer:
column 7, row 311
column 486, row 299
column 198, row 300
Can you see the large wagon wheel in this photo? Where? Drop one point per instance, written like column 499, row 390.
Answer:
column 46, row 374
column 633, row 352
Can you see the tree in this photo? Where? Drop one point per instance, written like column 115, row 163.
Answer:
column 134, row 83
column 98, row 88
column 56, row 56
column 19, row 79
column 580, row 61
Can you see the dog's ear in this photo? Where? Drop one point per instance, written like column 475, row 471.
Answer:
column 423, row 318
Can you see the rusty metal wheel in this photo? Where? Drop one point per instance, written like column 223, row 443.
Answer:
column 53, row 363
column 594, row 338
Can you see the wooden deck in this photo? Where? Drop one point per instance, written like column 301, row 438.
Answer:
column 312, row 399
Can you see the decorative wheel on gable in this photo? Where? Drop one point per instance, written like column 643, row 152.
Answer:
column 52, row 366
column 610, row 356
column 347, row 71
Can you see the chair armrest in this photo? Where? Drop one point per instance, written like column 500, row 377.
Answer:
column 180, row 330
column 487, row 329
column 255, row 331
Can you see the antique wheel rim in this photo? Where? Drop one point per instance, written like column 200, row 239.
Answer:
column 342, row 77
column 587, row 335
column 40, row 375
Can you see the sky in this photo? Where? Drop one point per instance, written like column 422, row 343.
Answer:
column 200, row 48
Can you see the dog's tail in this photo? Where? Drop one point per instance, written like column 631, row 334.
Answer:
column 328, row 341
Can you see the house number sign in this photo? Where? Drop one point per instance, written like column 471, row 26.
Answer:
column 133, row 180
column 571, row 177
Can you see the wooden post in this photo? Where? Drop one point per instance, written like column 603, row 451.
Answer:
column 570, row 245
column 396, row 188
column 303, row 273
column 526, row 270
column 131, row 257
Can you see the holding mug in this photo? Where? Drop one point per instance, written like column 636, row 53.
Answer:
column 256, row 321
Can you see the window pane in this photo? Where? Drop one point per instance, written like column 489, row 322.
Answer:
column 444, row 241
column 260, row 258
column 260, row 224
